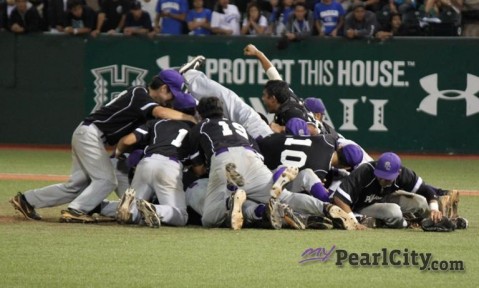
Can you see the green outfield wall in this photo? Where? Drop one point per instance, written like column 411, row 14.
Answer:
column 407, row 95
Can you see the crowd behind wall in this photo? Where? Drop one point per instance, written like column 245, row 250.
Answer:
column 288, row 20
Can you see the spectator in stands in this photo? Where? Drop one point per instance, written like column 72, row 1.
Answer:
column 394, row 28
column 279, row 17
column 23, row 19
column 329, row 18
column 225, row 19
column 300, row 23
column 138, row 21
column 81, row 19
column 360, row 23
column 111, row 17
column 254, row 23
column 57, row 14
column 199, row 19
column 172, row 14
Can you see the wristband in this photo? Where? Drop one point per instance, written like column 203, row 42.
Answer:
column 273, row 74
column 434, row 206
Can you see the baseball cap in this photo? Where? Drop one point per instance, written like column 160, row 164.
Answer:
column 185, row 102
column 388, row 166
column 314, row 105
column 175, row 82
column 135, row 5
column 353, row 154
column 297, row 127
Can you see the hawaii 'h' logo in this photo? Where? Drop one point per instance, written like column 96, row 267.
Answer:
column 429, row 104
column 109, row 81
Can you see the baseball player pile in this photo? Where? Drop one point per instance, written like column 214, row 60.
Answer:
column 201, row 155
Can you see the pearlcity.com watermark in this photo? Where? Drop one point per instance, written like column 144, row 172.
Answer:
column 383, row 257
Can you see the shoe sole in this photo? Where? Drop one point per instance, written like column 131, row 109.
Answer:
column 287, row 176
column 123, row 214
column 232, row 176
column 193, row 64
column 148, row 214
column 237, row 210
column 16, row 205
column 345, row 220
column 275, row 218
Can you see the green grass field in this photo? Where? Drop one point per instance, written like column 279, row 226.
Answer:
column 51, row 254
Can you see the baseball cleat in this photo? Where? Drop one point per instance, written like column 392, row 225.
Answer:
column 75, row 216
column 123, row 214
column 340, row 218
column 453, row 203
column 291, row 218
column 20, row 204
column 148, row 213
column 281, row 177
column 444, row 203
column 232, row 176
column 236, row 203
column 194, row 64
column 273, row 215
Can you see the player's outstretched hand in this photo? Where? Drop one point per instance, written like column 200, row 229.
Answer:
column 251, row 50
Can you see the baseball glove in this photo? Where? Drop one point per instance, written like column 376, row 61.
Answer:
column 444, row 225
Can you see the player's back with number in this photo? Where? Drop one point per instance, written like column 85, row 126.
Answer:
column 165, row 137
column 214, row 134
column 312, row 152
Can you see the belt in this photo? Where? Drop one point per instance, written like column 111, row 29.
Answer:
column 225, row 149
column 172, row 158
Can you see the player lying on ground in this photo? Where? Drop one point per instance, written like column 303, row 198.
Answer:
column 386, row 191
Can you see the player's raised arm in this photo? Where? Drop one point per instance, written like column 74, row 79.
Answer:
column 271, row 72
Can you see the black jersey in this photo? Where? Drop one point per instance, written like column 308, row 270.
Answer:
column 213, row 135
column 166, row 137
column 361, row 188
column 324, row 128
column 312, row 152
column 132, row 108
column 292, row 109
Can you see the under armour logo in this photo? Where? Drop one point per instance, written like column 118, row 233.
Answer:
column 387, row 165
column 429, row 104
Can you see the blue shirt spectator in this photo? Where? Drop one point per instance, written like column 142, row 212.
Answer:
column 173, row 15
column 329, row 18
column 199, row 19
